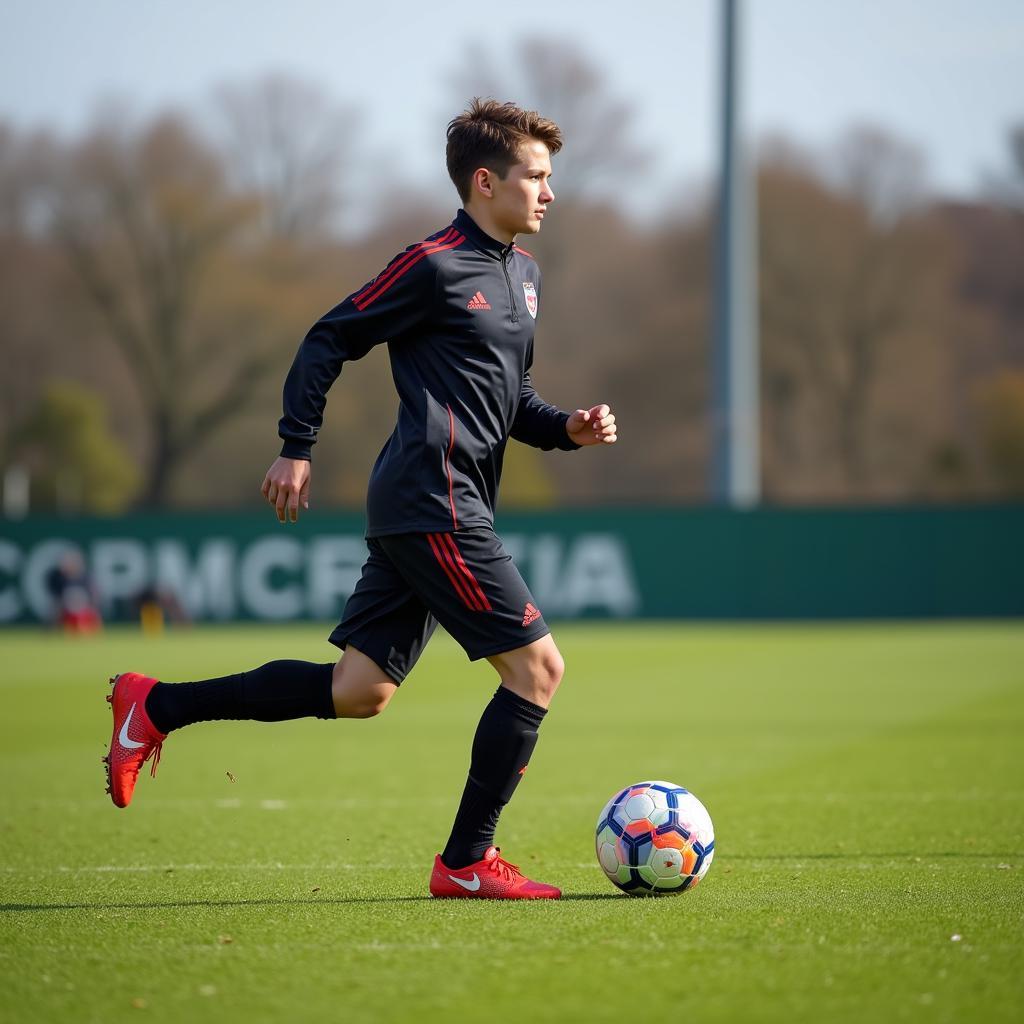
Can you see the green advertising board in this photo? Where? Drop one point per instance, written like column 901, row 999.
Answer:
column 696, row 563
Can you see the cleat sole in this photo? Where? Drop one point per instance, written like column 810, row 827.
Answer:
column 106, row 760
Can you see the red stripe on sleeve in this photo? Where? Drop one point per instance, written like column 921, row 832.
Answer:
column 399, row 261
column 444, row 560
column 430, row 251
column 464, row 569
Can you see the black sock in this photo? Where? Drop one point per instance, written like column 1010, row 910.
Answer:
column 275, row 692
column 504, row 741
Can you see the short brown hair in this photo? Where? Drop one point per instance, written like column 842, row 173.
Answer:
column 490, row 134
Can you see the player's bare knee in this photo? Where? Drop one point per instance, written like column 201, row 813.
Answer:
column 368, row 707
column 552, row 670
column 538, row 679
column 367, row 704
column 359, row 688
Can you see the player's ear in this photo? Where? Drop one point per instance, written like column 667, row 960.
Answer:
column 483, row 182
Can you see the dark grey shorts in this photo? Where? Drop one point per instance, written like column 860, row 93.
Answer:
column 464, row 580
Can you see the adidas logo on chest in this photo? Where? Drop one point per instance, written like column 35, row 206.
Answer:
column 478, row 302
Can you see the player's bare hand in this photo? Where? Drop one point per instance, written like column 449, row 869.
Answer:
column 595, row 425
column 286, row 487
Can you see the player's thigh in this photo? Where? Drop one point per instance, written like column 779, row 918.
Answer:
column 384, row 622
column 470, row 584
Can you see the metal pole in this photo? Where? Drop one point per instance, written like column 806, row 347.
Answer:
column 735, row 462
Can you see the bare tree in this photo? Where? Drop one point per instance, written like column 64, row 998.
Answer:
column 561, row 82
column 144, row 217
column 285, row 140
column 849, row 280
column 884, row 173
column 1006, row 186
column 27, row 277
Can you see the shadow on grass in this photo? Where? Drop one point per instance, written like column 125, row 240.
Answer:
column 21, row 908
column 912, row 857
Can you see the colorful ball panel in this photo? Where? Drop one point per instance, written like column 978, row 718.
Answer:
column 654, row 838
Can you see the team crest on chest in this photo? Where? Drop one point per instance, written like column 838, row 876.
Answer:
column 531, row 298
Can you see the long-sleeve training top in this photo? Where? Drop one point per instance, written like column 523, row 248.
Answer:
column 458, row 312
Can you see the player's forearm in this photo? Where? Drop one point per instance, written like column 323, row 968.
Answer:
column 541, row 426
column 315, row 368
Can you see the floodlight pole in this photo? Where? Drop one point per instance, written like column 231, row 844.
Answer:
column 735, row 415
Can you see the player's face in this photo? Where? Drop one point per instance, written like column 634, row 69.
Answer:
column 522, row 197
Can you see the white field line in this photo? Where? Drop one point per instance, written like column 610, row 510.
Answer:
column 742, row 867
column 562, row 799
column 102, row 803
column 82, row 869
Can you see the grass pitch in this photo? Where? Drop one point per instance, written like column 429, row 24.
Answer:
column 865, row 782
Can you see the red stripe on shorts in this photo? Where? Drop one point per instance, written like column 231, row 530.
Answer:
column 464, row 569
column 444, row 559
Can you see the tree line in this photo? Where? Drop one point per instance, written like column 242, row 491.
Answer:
column 156, row 277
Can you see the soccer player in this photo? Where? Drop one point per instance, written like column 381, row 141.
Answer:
column 457, row 312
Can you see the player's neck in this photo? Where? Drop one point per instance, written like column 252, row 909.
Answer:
column 479, row 216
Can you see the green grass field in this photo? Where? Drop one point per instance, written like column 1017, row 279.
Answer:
column 866, row 785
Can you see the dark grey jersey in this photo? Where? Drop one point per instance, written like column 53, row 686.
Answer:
column 457, row 312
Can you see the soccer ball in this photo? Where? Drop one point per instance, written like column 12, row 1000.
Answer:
column 655, row 838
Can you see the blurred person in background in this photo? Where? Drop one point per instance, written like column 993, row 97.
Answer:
column 74, row 599
column 458, row 312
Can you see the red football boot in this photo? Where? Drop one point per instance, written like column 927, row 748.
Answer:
column 489, row 879
column 135, row 739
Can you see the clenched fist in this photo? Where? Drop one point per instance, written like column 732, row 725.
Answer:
column 592, row 426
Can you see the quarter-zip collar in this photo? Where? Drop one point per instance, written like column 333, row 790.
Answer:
column 483, row 241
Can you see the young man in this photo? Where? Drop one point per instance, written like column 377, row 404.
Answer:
column 457, row 312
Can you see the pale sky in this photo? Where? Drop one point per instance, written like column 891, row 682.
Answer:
column 947, row 75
